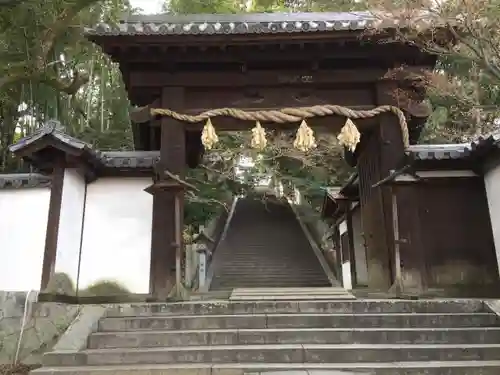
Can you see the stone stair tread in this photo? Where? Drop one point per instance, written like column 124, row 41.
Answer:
column 288, row 290
column 290, row 320
column 165, row 338
column 298, row 330
column 364, row 301
column 258, row 347
column 274, row 261
column 297, row 314
column 235, row 271
column 333, row 306
column 273, row 281
column 291, row 292
column 267, row 366
column 305, row 306
column 270, row 282
column 266, row 274
column 276, row 298
column 271, row 277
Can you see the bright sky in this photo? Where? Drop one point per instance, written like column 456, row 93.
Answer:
column 148, row 6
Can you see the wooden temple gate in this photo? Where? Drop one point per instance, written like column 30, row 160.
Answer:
column 264, row 62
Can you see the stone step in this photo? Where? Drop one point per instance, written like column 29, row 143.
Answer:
column 290, row 307
column 273, row 257
column 275, row 260
column 284, row 353
column 343, row 296
column 270, row 277
column 242, row 282
column 260, row 321
column 131, row 339
column 259, row 294
column 222, row 281
column 268, row 274
column 380, row 368
column 232, row 268
column 236, row 269
column 290, row 291
column 277, row 253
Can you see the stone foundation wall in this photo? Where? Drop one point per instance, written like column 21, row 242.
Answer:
column 44, row 324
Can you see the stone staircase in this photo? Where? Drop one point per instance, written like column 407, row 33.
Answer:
column 290, row 294
column 265, row 246
column 342, row 337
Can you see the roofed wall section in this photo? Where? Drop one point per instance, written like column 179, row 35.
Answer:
column 50, row 145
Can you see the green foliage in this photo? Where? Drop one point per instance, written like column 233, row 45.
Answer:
column 464, row 89
column 267, row 6
column 311, row 172
column 104, row 288
column 465, row 100
column 61, row 283
column 203, row 6
column 48, row 66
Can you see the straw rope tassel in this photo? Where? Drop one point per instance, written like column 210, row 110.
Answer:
column 208, row 136
column 304, row 139
column 259, row 140
column 349, row 136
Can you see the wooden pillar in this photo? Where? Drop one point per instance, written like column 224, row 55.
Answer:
column 408, row 237
column 380, row 151
column 391, row 153
column 398, row 280
column 49, row 256
column 164, row 236
column 352, row 248
column 345, row 253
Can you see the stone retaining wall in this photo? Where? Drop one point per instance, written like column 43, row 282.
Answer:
column 44, row 323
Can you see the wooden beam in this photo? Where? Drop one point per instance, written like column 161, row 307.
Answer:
column 265, row 53
column 264, row 78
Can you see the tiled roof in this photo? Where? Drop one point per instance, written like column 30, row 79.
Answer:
column 486, row 142
column 439, row 152
column 100, row 159
column 334, row 192
column 232, row 24
column 23, row 180
column 129, row 159
column 50, row 128
column 142, row 160
column 477, row 148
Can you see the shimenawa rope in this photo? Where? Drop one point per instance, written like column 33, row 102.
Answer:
column 286, row 115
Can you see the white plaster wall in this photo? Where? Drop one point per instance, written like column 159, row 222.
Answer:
column 70, row 225
column 346, row 264
column 117, row 233
column 23, row 224
column 492, row 185
column 359, row 248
